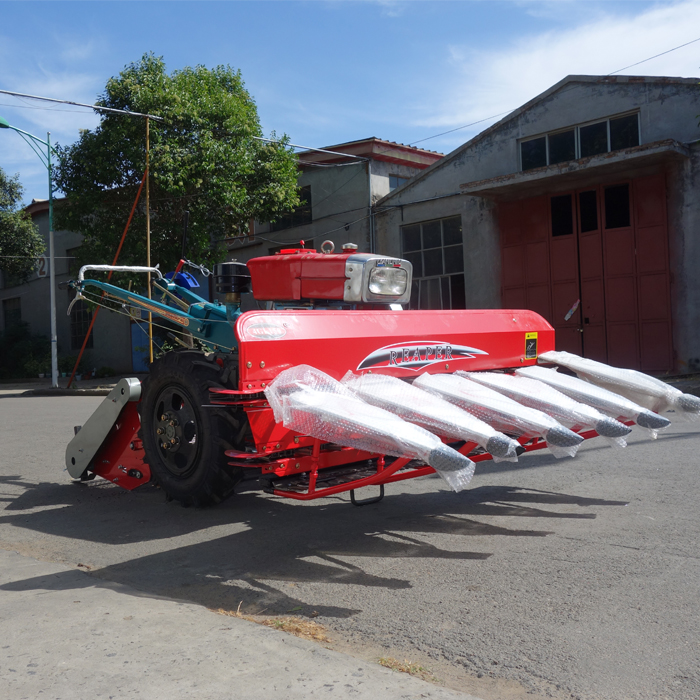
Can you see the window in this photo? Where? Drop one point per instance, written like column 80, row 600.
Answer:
column 562, row 215
column 80, row 317
column 12, row 312
column 580, row 142
column 588, row 210
column 562, row 146
column 396, row 181
column 301, row 214
column 435, row 250
column 617, row 206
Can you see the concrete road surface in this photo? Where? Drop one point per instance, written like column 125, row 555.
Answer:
column 575, row 578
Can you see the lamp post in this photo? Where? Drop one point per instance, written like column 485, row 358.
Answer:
column 46, row 160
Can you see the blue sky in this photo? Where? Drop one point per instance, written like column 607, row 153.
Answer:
column 325, row 72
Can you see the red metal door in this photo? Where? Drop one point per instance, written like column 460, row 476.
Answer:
column 653, row 273
column 592, row 278
column 606, row 245
column 564, row 272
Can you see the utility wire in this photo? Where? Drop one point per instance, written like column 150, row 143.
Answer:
column 663, row 53
column 619, row 70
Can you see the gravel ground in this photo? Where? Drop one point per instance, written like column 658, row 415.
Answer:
column 563, row 578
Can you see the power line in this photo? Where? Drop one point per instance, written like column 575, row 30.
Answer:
column 663, row 53
column 82, row 104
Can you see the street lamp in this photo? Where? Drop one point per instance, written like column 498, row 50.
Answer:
column 46, row 160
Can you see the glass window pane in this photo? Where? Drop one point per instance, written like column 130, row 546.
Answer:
column 417, row 261
column 533, row 153
column 452, row 230
column 617, row 206
column 459, row 300
column 562, row 147
column 454, row 259
column 431, row 235
column 430, row 294
column 413, row 304
column 562, row 215
column 445, row 292
column 624, row 132
column 432, row 260
column 588, row 208
column 594, row 139
column 410, row 238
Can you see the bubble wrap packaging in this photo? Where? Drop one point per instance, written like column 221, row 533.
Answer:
column 605, row 401
column 638, row 387
column 430, row 412
column 541, row 396
column 310, row 402
column 502, row 413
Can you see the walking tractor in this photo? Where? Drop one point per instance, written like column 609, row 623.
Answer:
column 335, row 386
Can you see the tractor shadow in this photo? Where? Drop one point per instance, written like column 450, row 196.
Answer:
column 254, row 550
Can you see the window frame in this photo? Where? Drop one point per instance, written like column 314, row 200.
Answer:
column 444, row 275
column 577, row 137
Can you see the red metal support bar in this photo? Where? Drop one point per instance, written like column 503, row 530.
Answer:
column 374, row 480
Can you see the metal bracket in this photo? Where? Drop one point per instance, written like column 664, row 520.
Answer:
column 367, row 501
column 88, row 440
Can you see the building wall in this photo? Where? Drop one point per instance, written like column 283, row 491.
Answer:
column 112, row 341
column 667, row 111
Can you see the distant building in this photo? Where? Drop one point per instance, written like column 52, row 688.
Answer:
column 111, row 343
column 582, row 205
column 339, row 186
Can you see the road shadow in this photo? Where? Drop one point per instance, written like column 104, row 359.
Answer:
column 273, row 545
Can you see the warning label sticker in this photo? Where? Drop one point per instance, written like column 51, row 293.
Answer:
column 530, row 346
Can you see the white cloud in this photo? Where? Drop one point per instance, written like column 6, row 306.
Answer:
column 484, row 83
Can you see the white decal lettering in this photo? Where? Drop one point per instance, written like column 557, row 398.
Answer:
column 392, row 357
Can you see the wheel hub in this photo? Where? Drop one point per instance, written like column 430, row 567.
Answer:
column 177, row 429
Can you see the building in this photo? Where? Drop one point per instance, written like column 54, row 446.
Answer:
column 115, row 342
column 339, row 186
column 582, row 205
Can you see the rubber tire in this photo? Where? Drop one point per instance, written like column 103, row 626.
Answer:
column 206, row 478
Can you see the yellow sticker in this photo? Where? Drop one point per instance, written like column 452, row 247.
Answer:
column 531, row 345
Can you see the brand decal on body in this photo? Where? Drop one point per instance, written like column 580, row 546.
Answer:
column 265, row 331
column 417, row 355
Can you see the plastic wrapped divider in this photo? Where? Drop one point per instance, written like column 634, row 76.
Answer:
column 502, row 413
column 541, row 396
column 430, row 412
column 310, row 402
column 644, row 390
column 605, row 401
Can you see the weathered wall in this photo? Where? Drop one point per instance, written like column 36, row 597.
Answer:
column 683, row 186
column 667, row 111
column 112, row 340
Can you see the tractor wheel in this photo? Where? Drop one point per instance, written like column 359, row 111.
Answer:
column 183, row 441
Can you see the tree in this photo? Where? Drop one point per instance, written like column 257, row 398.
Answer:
column 20, row 242
column 203, row 159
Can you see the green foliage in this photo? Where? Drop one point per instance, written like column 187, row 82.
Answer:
column 23, row 354
column 20, row 242
column 203, row 159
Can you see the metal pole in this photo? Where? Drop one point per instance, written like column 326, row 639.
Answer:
column 52, row 273
column 148, row 241
column 369, row 210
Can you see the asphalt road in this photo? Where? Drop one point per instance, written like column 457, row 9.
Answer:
column 564, row 578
